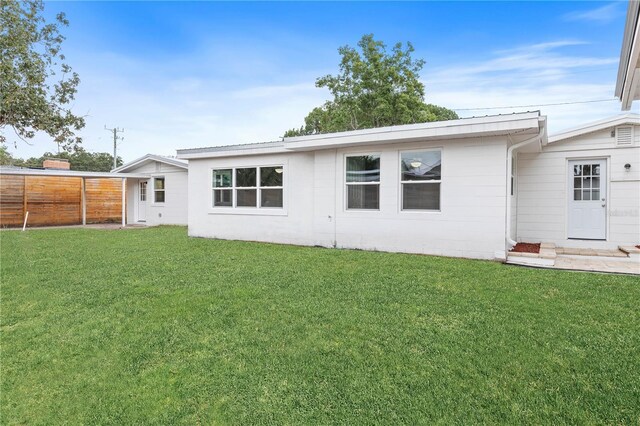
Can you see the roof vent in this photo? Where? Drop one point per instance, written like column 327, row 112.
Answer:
column 624, row 135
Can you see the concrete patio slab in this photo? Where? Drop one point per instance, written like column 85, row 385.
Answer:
column 578, row 259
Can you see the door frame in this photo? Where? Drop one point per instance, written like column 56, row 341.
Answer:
column 137, row 203
column 569, row 191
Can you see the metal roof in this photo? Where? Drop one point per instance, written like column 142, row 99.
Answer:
column 10, row 170
column 240, row 146
column 498, row 124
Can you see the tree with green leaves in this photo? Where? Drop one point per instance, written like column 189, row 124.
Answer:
column 374, row 88
column 79, row 160
column 6, row 159
column 37, row 86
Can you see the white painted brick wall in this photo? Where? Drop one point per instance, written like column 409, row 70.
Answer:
column 470, row 223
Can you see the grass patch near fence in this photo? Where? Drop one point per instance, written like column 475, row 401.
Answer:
column 150, row 326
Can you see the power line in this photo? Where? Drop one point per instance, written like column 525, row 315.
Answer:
column 537, row 105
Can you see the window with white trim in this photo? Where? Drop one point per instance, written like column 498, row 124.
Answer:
column 271, row 187
column 247, row 187
column 363, row 182
column 420, row 179
column 158, row 190
column 222, row 188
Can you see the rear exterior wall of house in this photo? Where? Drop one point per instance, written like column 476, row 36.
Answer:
column 469, row 223
column 543, row 190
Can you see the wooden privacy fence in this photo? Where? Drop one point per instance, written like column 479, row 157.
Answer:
column 57, row 200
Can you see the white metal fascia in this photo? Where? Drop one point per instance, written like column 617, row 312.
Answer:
column 629, row 56
column 231, row 153
column 463, row 128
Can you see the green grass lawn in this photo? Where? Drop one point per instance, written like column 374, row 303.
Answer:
column 150, row 326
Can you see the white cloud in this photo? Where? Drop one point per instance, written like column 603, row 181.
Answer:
column 600, row 15
column 185, row 102
column 161, row 113
column 534, row 75
column 540, row 58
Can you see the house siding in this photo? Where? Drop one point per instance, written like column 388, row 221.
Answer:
column 470, row 224
column 543, row 190
column 174, row 210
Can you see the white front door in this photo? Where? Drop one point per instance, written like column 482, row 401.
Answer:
column 142, row 201
column 588, row 199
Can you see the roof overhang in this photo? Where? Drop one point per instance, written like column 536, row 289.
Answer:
column 628, row 82
column 233, row 150
column 148, row 159
column 498, row 125
column 70, row 173
column 595, row 126
column 528, row 123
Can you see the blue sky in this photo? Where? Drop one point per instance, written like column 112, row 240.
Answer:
column 190, row 74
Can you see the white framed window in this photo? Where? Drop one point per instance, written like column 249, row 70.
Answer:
column 362, row 181
column 248, row 187
column 271, row 187
column 420, row 179
column 222, row 183
column 158, row 190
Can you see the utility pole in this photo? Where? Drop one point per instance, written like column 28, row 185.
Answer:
column 115, row 131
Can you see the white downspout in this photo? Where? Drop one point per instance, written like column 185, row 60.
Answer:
column 538, row 137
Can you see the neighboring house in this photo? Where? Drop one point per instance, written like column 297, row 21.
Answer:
column 628, row 83
column 160, row 197
column 445, row 188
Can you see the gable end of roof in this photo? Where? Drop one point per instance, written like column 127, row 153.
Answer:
column 183, row 164
column 620, row 120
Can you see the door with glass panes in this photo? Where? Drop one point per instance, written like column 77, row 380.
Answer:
column 142, row 201
column 588, row 199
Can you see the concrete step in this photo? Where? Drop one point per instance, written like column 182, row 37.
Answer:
column 572, row 251
column 622, row 265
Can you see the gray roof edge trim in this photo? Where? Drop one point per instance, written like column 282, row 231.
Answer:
column 231, row 148
column 266, row 147
column 418, row 126
column 70, row 173
column 151, row 157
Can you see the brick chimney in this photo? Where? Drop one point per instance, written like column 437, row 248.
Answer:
column 56, row 163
